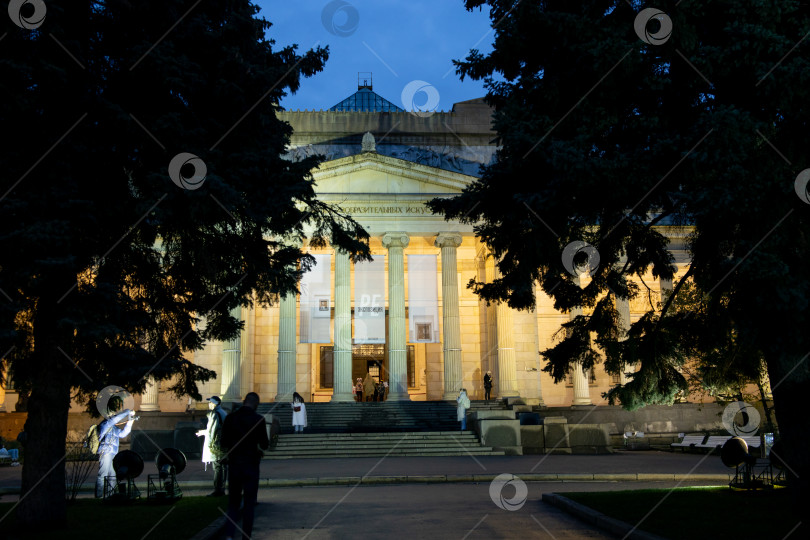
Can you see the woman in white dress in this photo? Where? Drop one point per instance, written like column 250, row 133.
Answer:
column 299, row 415
column 461, row 410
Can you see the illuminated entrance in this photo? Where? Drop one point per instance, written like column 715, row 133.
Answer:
column 365, row 359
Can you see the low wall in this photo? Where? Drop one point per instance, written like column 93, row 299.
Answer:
column 153, row 431
column 677, row 418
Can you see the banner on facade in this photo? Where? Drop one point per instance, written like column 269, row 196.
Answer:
column 369, row 301
column 316, row 301
column 423, row 299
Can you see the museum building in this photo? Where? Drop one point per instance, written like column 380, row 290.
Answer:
column 407, row 317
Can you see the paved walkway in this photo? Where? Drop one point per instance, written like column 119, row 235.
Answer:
column 650, row 465
column 391, row 498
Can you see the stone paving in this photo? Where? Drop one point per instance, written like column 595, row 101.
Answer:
column 443, row 497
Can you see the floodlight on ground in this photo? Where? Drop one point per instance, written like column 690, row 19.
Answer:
column 735, row 452
column 163, row 487
column 751, row 473
column 121, row 488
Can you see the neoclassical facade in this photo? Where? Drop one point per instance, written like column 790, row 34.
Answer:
column 382, row 165
column 408, row 317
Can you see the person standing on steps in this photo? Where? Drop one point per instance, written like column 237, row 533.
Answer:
column 461, row 410
column 358, row 388
column 299, row 416
column 212, row 453
column 488, row 385
column 368, row 387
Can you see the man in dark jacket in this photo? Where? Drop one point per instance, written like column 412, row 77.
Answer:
column 488, row 385
column 243, row 434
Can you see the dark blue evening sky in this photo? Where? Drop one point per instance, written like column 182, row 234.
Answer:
column 399, row 41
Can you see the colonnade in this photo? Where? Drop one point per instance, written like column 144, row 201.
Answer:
column 395, row 243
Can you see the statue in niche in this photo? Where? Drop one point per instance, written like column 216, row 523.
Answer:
column 368, row 144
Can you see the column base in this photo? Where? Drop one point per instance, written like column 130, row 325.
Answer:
column 149, row 408
column 283, row 398
column 396, row 396
column 342, row 398
column 582, row 402
column 450, row 396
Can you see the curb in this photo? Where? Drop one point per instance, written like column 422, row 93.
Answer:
column 214, row 530
column 598, row 519
column 444, row 479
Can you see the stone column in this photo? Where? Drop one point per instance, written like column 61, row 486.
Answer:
column 231, row 364
column 149, row 398
column 582, row 395
column 623, row 307
column 342, row 382
column 448, row 242
column 396, row 242
column 538, row 294
column 286, row 348
column 665, row 287
column 2, row 393
column 507, row 371
column 492, row 328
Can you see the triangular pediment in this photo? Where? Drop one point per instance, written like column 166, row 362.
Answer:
column 370, row 172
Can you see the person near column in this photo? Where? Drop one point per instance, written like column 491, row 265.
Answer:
column 212, row 451
column 109, row 435
column 488, row 385
column 244, row 436
column 299, row 415
column 461, row 410
column 358, row 388
column 368, row 387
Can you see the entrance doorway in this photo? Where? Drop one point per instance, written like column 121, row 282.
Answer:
column 369, row 359
column 365, row 359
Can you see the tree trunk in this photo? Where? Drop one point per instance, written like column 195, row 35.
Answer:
column 42, row 499
column 790, row 391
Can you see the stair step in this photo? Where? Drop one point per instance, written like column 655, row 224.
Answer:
column 455, row 446
column 410, row 428
column 389, row 451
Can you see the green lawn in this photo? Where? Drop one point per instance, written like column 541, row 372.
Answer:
column 693, row 513
column 88, row 517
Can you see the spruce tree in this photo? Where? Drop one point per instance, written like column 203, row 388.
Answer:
column 616, row 127
column 144, row 196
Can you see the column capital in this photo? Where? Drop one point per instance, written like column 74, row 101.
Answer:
column 447, row 239
column 395, row 240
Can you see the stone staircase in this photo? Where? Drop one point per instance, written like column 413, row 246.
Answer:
column 376, row 417
column 371, row 429
column 418, row 443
